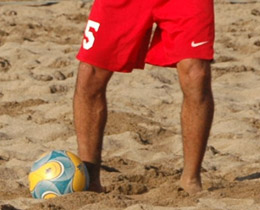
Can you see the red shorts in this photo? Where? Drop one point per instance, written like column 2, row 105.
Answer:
column 118, row 33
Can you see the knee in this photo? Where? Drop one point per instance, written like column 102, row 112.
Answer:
column 195, row 77
column 192, row 71
column 90, row 83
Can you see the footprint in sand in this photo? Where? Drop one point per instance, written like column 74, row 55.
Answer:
column 255, row 12
column 58, row 89
column 4, row 65
column 59, row 75
column 3, row 33
column 42, row 77
column 60, row 63
column 10, row 13
column 4, row 136
column 257, row 43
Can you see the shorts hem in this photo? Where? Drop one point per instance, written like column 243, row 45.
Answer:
column 174, row 62
column 127, row 69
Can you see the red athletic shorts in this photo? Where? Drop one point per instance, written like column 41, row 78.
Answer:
column 119, row 33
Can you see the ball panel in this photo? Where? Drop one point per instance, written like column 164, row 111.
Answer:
column 48, row 171
column 43, row 187
column 68, row 165
column 52, row 170
column 58, row 153
column 80, row 179
column 44, row 158
column 69, row 187
column 62, row 186
column 48, row 195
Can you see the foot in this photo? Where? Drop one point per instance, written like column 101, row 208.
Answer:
column 94, row 177
column 96, row 187
column 191, row 185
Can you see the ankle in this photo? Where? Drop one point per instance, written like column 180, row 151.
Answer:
column 94, row 175
column 190, row 179
column 93, row 169
column 191, row 184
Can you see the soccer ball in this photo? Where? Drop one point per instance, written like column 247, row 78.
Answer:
column 57, row 173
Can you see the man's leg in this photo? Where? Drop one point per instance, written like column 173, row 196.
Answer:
column 90, row 115
column 196, row 118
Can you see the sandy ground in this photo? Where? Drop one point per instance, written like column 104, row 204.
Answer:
column 142, row 154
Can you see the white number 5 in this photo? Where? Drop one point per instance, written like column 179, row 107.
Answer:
column 87, row 44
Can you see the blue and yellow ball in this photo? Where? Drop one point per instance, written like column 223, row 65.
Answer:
column 57, row 173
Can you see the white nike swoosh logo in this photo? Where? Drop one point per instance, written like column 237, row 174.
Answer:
column 193, row 44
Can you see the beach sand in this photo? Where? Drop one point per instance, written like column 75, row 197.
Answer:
column 142, row 152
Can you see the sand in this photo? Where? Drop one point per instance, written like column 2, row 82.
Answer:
column 142, row 153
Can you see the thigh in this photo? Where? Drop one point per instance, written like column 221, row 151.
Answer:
column 185, row 30
column 117, row 34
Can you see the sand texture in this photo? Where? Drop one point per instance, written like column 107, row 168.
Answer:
column 142, row 152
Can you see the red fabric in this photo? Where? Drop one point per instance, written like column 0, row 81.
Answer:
column 185, row 29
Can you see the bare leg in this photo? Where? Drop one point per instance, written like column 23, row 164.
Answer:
column 196, row 118
column 90, row 115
